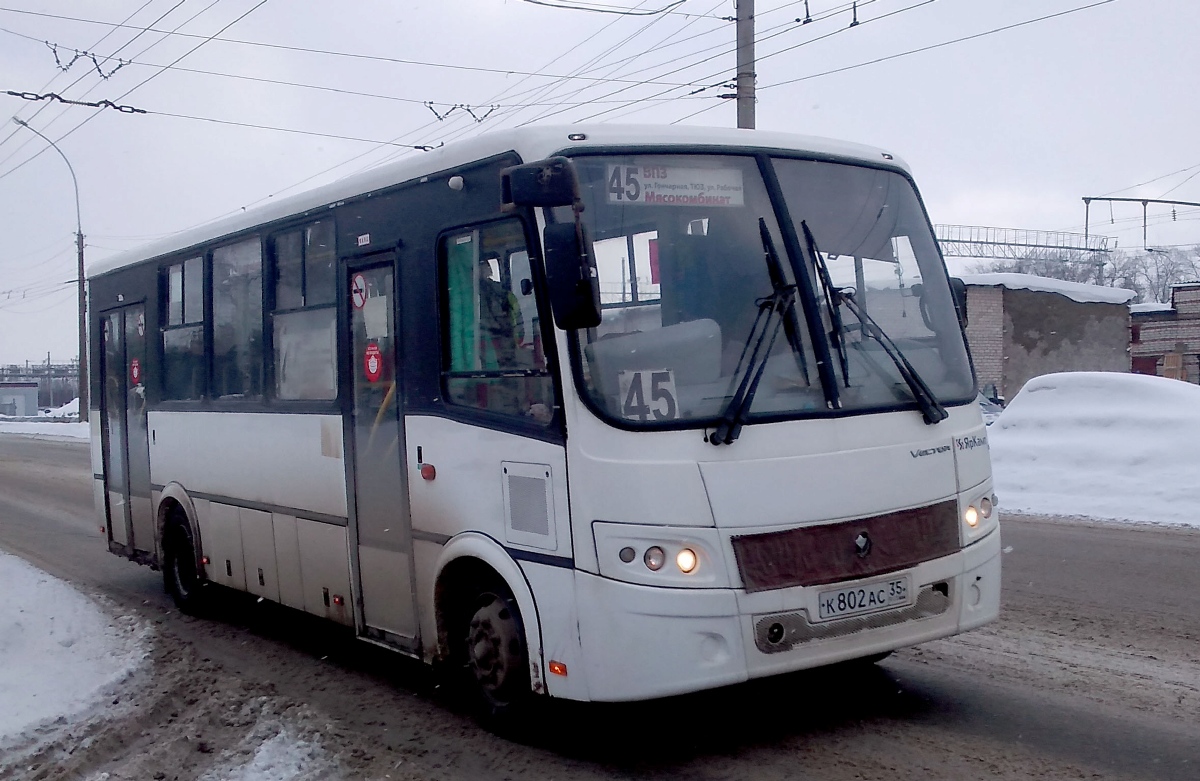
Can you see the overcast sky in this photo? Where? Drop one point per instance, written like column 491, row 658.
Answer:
column 1008, row 129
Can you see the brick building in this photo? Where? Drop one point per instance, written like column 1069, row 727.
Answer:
column 1166, row 337
column 1020, row 326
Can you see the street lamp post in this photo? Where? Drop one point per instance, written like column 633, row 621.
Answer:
column 83, row 363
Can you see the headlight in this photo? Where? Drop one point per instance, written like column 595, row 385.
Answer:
column 971, row 516
column 670, row 556
column 686, row 560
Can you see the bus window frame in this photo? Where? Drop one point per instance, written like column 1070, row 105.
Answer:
column 763, row 158
column 270, row 279
column 553, row 431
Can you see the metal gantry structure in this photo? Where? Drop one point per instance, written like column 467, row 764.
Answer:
column 977, row 241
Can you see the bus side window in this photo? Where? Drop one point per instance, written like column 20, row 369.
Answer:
column 237, row 320
column 494, row 358
column 304, row 321
column 183, row 333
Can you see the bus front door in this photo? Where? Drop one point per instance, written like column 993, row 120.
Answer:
column 126, row 444
column 380, row 524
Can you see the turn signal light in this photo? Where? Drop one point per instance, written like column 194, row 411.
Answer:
column 558, row 668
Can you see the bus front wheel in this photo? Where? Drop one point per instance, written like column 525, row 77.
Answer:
column 496, row 657
column 180, row 576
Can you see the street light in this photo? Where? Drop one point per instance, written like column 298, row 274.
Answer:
column 83, row 364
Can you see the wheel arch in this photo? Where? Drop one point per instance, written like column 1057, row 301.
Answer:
column 174, row 497
column 468, row 560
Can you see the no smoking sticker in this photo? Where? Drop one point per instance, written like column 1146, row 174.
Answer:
column 358, row 291
column 135, row 371
column 373, row 362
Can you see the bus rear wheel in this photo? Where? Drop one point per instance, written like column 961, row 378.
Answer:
column 180, row 576
column 496, row 658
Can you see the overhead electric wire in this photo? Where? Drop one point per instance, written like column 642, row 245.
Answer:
column 918, row 50
column 101, row 40
column 1151, row 181
column 616, row 67
column 759, row 59
column 323, row 52
column 88, row 91
column 153, row 76
column 931, row 47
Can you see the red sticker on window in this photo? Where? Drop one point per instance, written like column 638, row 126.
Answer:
column 135, row 371
column 373, row 362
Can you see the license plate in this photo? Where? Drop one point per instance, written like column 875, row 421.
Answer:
column 863, row 599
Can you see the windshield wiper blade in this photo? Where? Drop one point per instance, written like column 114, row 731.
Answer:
column 730, row 426
column 931, row 409
column 791, row 324
column 782, row 301
column 831, row 298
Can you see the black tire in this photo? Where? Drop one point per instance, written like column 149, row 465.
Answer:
column 495, row 659
column 180, row 574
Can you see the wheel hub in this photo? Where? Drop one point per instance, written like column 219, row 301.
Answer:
column 493, row 644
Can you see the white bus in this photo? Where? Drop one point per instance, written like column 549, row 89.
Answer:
column 600, row 413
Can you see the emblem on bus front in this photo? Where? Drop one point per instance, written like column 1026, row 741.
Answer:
column 862, row 545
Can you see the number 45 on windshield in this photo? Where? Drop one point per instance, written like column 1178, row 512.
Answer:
column 648, row 395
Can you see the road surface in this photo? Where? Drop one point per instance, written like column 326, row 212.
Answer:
column 1093, row 671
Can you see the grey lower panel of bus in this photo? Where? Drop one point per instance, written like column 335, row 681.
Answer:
column 798, row 630
column 333, row 520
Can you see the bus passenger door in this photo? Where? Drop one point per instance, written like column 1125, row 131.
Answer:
column 380, row 527
column 126, row 446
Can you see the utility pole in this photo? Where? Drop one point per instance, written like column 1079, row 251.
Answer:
column 82, row 294
column 745, row 64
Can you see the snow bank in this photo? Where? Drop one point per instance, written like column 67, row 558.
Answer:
column 68, row 410
column 58, row 651
column 1076, row 291
column 47, row 428
column 1099, row 445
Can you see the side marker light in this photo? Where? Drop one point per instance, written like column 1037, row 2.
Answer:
column 558, row 668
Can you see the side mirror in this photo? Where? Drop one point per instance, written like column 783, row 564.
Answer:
column 550, row 182
column 958, row 290
column 571, row 276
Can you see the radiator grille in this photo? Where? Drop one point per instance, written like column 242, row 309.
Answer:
column 815, row 555
column 528, row 508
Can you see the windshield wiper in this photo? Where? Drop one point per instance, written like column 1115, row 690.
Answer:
column 931, row 409
column 781, row 301
column 836, row 336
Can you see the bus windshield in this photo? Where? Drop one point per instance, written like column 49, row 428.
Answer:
column 690, row 256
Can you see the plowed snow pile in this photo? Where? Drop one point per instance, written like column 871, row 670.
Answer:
column 1100, row 445
column 58, row 651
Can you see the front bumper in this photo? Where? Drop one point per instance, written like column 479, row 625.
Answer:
column 641, row 642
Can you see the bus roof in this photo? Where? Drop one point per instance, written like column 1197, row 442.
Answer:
column 531, row 143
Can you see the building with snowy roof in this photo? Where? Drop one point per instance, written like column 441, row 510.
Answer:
column 1166, row 337
column 1021, row 326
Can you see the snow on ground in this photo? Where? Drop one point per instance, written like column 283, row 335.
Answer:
column 283, row 757
column 45, row 429
column 58, row 651
column 1099, row 445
